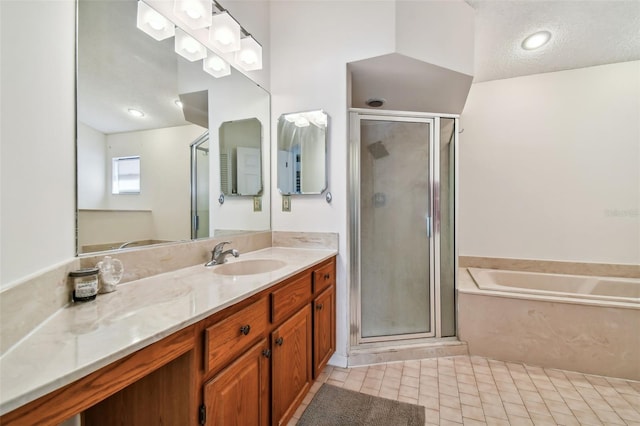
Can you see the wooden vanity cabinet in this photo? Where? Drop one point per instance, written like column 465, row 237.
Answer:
column 298, row 338
column 291, row 364
column 324, row 329
column 239, row 394
column 249, row 364
column 324, row 315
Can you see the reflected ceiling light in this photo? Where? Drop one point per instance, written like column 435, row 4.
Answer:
column 318, row 118
column 135, row 112
column 179, row 103
column 152, row 23
column 195, row 13
column 536, row 40
column 216, row 66
column 249, row 57
column 291, row 118
column 188, row 47
column 224, row 33
column 302, row 122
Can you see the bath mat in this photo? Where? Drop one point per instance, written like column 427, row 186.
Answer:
column 334, row 406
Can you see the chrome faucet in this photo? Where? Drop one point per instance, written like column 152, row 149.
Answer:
column 218, row 257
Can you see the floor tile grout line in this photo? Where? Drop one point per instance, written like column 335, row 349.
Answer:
column 484, row 415
column 449, row 364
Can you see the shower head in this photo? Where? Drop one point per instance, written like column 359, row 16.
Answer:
column 378, row 150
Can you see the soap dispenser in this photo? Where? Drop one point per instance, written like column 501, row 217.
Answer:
column 111, row 271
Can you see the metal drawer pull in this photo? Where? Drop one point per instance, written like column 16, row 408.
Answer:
column 266, row 353
column 245, row 329
column 318, row 306
column 279, row 341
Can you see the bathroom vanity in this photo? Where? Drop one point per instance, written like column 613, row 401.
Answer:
column 215, row 349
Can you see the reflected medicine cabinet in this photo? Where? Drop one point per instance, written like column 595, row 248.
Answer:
column 302, row 153
column 241, row 157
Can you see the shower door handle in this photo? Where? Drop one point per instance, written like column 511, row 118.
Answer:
column 428, row 226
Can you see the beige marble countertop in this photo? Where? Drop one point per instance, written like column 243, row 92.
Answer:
column 85, row 337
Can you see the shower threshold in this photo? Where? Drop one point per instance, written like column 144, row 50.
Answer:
column 376, row 353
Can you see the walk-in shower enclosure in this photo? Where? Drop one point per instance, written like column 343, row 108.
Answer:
column 402, row 236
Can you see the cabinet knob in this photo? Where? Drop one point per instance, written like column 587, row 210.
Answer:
column 318, row 306
column 245, row 329
column 327, row 276
column 279, row 341
column 266, row 353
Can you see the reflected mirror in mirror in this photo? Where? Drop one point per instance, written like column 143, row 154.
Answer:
column 137, row 98
column 302, row 152
column 240, row 157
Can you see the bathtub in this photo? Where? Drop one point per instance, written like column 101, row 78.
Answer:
column 603, row 289
column 580, row 323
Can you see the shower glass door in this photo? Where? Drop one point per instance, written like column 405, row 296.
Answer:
column 395, row 211
column 200, row 187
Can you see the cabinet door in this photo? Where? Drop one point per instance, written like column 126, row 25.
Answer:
column 291, row 364
column 324, row 329
column 239, row 394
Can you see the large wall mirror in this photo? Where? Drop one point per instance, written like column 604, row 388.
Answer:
column 302, row 152
column 148, row 142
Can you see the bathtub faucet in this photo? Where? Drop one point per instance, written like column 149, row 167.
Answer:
column 218, row 256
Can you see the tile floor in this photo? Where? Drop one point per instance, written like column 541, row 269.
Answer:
column 478, row 391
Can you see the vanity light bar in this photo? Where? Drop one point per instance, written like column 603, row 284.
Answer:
column 249, row 57
column 188, row 47
column 195, row 13
column 225, row 35
column 216, row 66
column 153, row 24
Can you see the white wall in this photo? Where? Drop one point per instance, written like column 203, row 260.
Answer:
column 437, row 32
column 92, row 168
column 312, row 41
column 230, row 102
column 37, row 136
column 165, row 176
column 550, row 166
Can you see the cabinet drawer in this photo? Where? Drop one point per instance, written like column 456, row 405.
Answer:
column 288, row 299
column 226, row 339
column 324, row 276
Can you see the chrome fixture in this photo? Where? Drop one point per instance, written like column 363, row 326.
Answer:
column 224, row 41
column 218, row 257
column 127, row 244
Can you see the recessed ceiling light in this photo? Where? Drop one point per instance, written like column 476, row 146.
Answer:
column 536, row 40
column 135, row 112
column 179, row 103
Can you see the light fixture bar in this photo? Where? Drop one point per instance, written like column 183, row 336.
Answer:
column 224, row 33
column 216, row 66
column 188, row 47
column 195, row 13
column 249, row 57
column 153, row 23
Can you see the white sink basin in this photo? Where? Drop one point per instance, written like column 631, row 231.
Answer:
column 249, row 267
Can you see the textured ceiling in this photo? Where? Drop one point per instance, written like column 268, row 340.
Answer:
column 584, row 33
column 120, row 67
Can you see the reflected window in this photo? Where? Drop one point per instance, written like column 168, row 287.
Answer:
column 125, row 175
